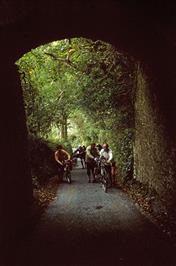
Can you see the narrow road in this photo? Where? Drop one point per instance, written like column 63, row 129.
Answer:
column 86, row 226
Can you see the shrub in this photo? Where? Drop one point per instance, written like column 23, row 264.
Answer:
column 42, row 162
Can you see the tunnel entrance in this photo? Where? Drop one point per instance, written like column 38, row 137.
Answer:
column 77, row 91
column 148, row 38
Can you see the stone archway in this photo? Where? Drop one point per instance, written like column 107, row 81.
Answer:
column 130, row 29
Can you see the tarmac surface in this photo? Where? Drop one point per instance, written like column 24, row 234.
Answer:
column 86, row 226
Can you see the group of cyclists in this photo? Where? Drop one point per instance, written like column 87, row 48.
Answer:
column 88, row 157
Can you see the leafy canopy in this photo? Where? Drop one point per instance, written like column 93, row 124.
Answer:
column 78, row 89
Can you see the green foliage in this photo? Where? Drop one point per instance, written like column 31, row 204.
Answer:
column 42, row 162
column 82, row 88
column 68, row 147
column 123, row 150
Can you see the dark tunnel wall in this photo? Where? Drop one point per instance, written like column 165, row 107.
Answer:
column 154, row 147
column 146, row 32
column 15, row 181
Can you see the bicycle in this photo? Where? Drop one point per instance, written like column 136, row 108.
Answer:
column 67, row 170
column 102, row 174
column 106, row 181
column 97, row 170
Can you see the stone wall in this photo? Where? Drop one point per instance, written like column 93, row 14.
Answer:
column 154, row 151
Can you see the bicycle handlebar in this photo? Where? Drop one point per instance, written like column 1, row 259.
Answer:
column 102, row 160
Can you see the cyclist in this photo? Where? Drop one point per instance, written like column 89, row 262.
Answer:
column 80, row 153
column 91, row 153
column 106, row 153
column 60, row 156
column 99, row 147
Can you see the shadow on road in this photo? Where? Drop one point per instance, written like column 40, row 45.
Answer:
column 85, row 226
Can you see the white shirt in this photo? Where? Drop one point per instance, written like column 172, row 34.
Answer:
column 107, row 155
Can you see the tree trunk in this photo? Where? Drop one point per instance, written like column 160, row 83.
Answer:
column 62, row 132
column 63, row 129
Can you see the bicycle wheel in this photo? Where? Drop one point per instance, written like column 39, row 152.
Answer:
column 104, row 181
column 104, row 185
column 68, row 177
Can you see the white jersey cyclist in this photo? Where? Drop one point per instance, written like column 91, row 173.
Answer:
column 106, row 153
